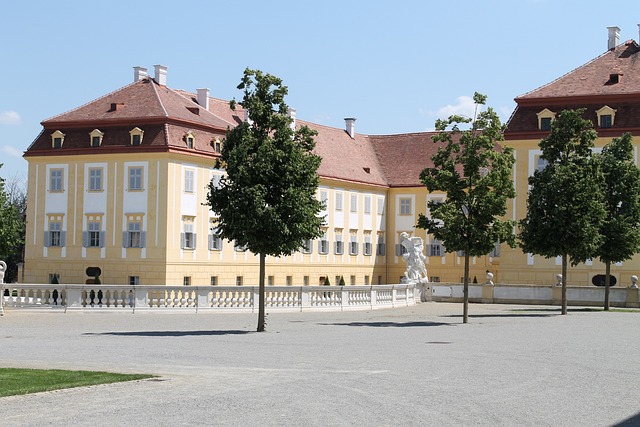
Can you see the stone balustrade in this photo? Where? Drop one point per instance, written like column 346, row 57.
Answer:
column 200, row 298
column 533, row 294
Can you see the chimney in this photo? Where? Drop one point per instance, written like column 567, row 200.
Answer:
column 139, row 73
column 292, row 114
column 203, row 98
column 161, row 74
column 350, row 123
column 614, row 37
column 246, row 117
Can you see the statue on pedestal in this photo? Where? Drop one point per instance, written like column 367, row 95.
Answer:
column 416, row 271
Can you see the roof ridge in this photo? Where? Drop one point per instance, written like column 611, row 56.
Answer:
column 570, row 72
column 90, row 102
column 155, row 90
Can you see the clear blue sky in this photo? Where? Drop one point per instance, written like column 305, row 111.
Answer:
column 394, row 65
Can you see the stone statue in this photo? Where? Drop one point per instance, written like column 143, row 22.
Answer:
column 416, row 271
column 3, row 268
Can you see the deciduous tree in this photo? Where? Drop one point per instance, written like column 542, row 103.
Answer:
column 12, row 225
column 565, row 206
column 620, row 229
column 267, row 199
column 475, row 172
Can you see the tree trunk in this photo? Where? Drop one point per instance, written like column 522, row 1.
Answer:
column 261, row 320
column 564, row 283
column 465, row 292
column 607, row 284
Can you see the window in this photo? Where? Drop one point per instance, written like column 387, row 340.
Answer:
column 188, row 237
column 57, row 139
column 324, row 198
column 405, row 206
column 379, row 280
column 367, row 205
column 93, row 235
column 606, row 116
column 353, row 245
column 352, row 280
column 545, row 118
column 95, row 179
column 366, row 280
column 135, row 179
column 134, row 280
column 55, row 235
column 270, row 280
column 189, row 139
column 496, row 251
column 238, row 280
column 381, row 248
column 134, row 236
column 214, row 280
column 95, row 138
column 217, row 145
column 354, row 203
column 215, row 242
column 188, row 180
column 435, row 248
column 289, row 280
column 323, row 244
column 338, row 201
column 339, row 245
column 305, row 281
column 54, row 278
column 541, row 163
column 136, row 136
column 366, row 246
column 434, row 279
column 307, row 246
column 240, row 248
column 380, row 205
column 55, row 180
column 186, row 281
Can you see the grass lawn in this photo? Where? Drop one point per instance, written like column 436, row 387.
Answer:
column 24, row 381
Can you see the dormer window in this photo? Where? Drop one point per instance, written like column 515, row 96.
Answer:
column 189, row 139
column 57, row 139
column 95, row 138
column 606, row 116
column 545, row 117
column 136, row 136
column 217, row 145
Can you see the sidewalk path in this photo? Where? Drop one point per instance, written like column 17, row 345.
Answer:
column 510, row 366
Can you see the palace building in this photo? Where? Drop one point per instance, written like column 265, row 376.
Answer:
column 120, row 184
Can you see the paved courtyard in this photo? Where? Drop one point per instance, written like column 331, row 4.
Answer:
column 511, row 365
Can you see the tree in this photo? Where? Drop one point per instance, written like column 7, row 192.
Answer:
column 475, row 172
column 620, row 229
column 266, row 201
column 565, row 205
column 12, row 226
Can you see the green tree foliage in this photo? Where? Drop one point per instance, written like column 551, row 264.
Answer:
column 266, row 201
column 620, row 229
column 565, row 204
column 475, row 172
column 12, row 228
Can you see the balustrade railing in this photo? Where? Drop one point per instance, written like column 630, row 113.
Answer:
column 197, row 298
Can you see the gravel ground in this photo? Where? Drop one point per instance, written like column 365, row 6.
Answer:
column 510, row 366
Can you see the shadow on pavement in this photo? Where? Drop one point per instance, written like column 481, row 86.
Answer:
column 631, row 421
column 171, row 333
column 478, row 316
column 388, row 324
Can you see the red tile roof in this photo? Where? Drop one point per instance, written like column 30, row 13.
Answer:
column 593, row 78
column 143, row 99
column 404, row 156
